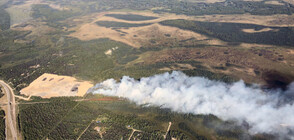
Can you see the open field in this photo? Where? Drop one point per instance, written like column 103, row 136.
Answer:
column 50, row 85
column 249, row 64
column 289, row 1
column 133, row 36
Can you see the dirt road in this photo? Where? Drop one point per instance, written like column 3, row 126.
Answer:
column 11, row 116
column 133, row 131
column 168, row 128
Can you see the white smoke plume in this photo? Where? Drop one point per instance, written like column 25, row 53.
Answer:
column 265, row 111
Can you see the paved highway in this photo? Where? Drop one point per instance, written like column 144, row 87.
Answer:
column 10, row 114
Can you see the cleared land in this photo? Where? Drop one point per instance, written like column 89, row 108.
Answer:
column 51, row 85
column 258, row 31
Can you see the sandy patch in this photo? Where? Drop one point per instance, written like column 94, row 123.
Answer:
column 252, row 45
column 58, row 7
column 178, row 67
column 274, row 3
column 92, row 31
column 257, row 31
column 254, row 0
column 291, row 51
column 289, row 1
column 185, row 66
column 51, row 85
column 204, row 1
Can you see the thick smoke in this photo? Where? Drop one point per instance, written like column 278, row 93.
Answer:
column 264, row 111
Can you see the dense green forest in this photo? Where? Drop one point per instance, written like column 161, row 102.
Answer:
column 39, row 119
column 113, row 24
column 131, row 17
column 1, row 92
column 192, row 8
column 2, row 125
column 4, row 19
column 68, row 118
column 232, row 32
column 183, row 7
column 49, row 14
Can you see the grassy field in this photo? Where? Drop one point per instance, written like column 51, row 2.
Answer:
column 4, row 19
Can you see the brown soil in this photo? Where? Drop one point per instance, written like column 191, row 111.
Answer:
column 151, row 35
column 257, row 31
column 51, row 85
column 274, row 3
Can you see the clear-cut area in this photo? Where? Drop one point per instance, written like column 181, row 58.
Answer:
column 51, row 85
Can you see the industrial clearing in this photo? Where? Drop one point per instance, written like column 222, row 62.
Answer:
column 51, row 85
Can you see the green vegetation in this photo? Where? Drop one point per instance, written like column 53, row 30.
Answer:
column 228, row 7
column 49, row 14
column 1, row 92
column 4, row 19
column 69, row 56
column 232, row 32
column 210, row 75
column 37, row 120
column 54, row 52
column 2, row 125
column 188, row 8
column 113, row 24
column 131, row 17
column 192, row 8
column 67, row 118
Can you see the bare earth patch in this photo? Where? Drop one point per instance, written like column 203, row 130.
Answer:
column 205, row 1
column 289, row 1
column 257, row 31
column 85, row 28
column 254, row 0
column 274, row 2
column 151, row 35
column 51, row 85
